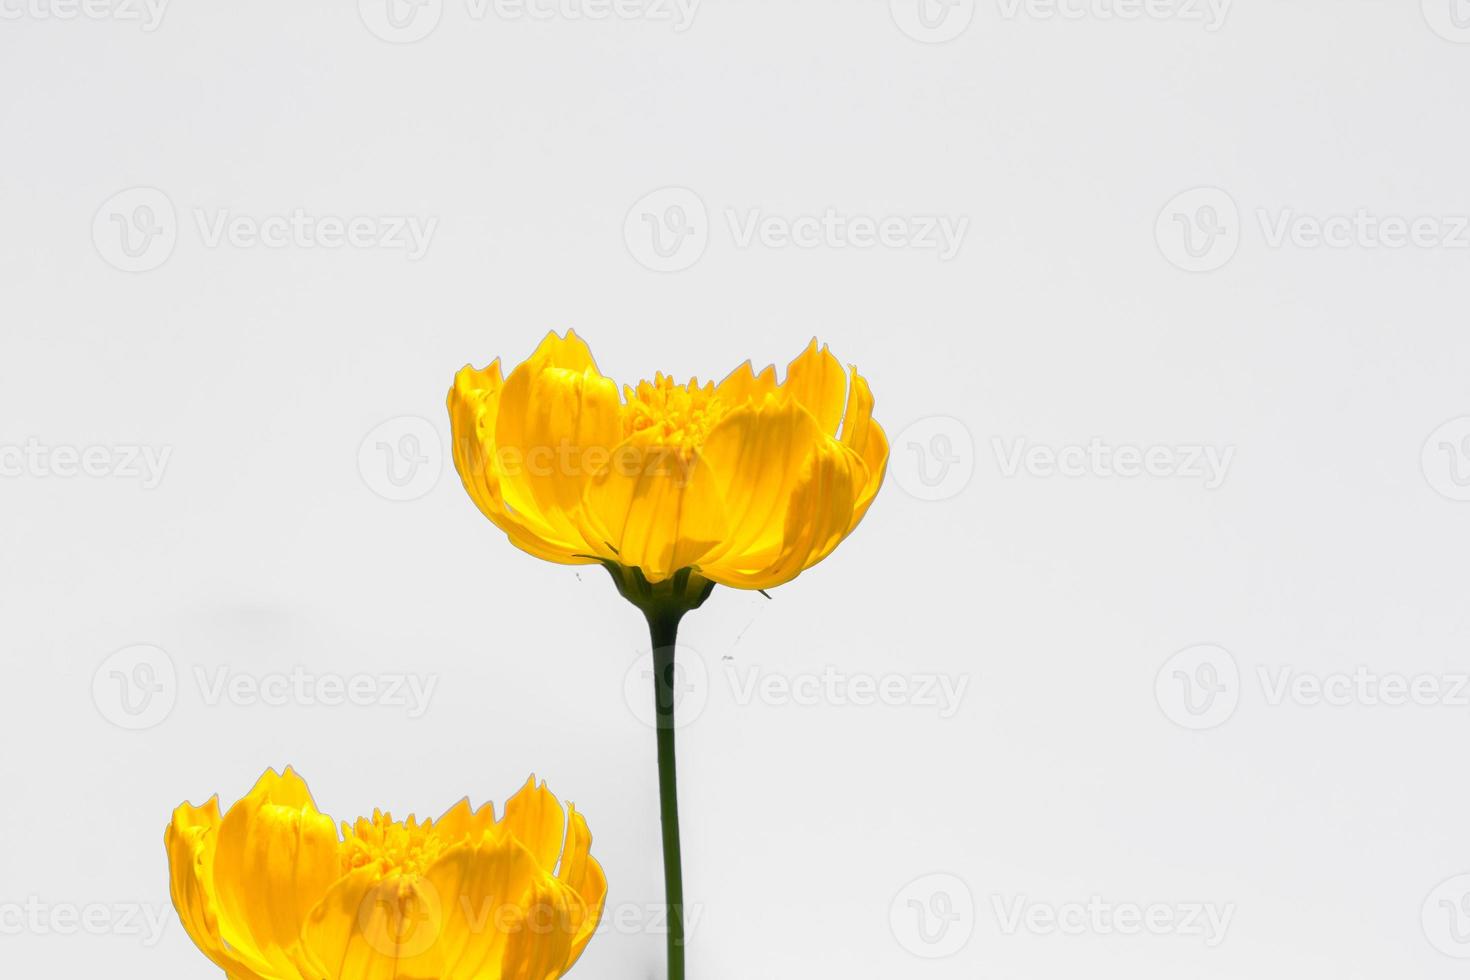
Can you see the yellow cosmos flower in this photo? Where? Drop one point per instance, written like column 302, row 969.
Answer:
column 272, row 891
column 746, row 483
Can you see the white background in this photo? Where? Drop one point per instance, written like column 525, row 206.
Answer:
column 1074, row 768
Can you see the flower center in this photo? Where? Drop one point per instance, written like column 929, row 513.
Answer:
column 395, row 848
column 675, row 415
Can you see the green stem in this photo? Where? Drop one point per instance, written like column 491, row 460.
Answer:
column 663, row 627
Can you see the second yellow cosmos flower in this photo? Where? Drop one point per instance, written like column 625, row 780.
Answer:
column 272, row 891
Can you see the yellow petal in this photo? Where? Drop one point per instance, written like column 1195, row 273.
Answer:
column 558, row 419
column 190, row 842
column 460, row 822
column 744, row 385
column 275, row 858
column 370, row 927
column 539, row 945
column 817, row 381
column 474, row 406
column 535, row 818
column 817, row 517
column 656, row 506
column 757, row 453
column 481, row 888
column 864, row 436
column 581, row 872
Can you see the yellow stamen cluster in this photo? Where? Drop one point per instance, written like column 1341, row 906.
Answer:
column 396, row 848
column 678, row 415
